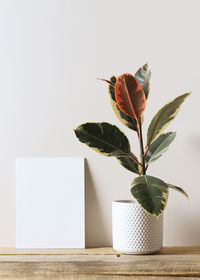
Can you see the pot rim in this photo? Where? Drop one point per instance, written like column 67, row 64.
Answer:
column 125, row 201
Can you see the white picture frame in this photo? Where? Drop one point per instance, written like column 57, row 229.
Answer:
column 50, row 203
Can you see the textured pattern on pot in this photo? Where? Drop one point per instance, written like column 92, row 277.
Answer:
column 134, row 230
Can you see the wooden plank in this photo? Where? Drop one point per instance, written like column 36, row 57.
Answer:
column 93, row 251
column 30, row 266
column 88, row 251
column 91, row 277
column 99, row 263
column 180, row 250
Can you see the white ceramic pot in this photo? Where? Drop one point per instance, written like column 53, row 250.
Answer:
column 134, row 230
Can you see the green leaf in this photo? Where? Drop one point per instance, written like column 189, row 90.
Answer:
column 151, row 193
column 178, row 189
column 143, row 76
column 125, row 119
column 108, row 140
column 164, row 117
column 129, row 164
column 159, row 146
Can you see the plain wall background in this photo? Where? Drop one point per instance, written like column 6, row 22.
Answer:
column 51, row 52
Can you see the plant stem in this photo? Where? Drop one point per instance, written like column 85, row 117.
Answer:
column 147, row 149
column 135, row 160
column 141, row 148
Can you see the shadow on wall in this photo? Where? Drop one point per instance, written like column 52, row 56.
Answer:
column 94, row 225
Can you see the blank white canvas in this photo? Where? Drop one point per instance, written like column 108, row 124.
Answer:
column 50, row 203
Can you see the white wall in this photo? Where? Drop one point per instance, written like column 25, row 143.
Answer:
column 52, row 51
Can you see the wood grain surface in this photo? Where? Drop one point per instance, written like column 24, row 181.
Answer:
column 88, row 251
column 99, row 263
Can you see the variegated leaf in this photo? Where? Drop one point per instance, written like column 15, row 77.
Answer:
column 143, row 76
column 177, row 189
column 125, row 119
column 108, row 140
column 129, row 164
column 164, row 117
column 159, row 146
column 151, row 193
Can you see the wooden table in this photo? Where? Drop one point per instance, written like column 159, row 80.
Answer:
column 99, row 263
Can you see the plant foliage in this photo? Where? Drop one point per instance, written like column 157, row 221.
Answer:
column 125, row 119
column 151, row 193
column 128, row 96
column 159, row 146
column 108, row 140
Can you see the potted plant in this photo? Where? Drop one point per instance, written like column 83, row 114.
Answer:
column 137, row 225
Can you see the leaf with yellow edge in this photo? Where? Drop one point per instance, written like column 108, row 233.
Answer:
column 178, row 189
column 159, row 146
column 151, row 193
column 164, row 117
column 108, row 140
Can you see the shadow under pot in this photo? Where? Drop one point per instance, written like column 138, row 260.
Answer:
column 134, row 230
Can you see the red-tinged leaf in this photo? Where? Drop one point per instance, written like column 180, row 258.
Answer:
column 129, row 95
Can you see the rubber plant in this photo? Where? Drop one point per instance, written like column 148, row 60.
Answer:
column 128, row 95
